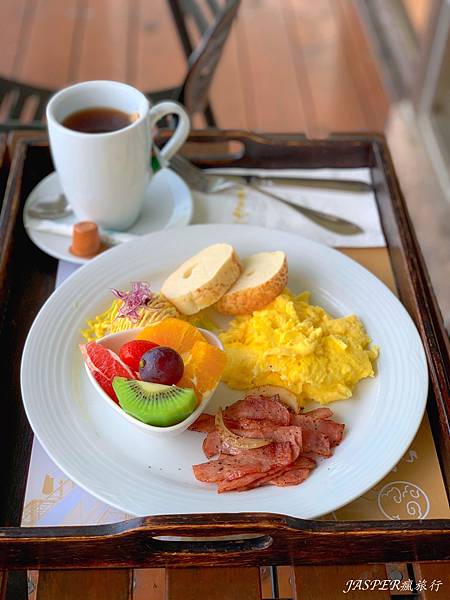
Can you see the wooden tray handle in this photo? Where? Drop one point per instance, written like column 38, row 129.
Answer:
column 257, row 538
column 211, row 147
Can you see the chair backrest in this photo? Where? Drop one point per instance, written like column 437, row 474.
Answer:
column 192, row 18
column 204, row 59
column 17, row 98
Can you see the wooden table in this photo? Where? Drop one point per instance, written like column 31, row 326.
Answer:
column 400, row 266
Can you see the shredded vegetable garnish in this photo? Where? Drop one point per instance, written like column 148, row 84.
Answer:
column 139, row 295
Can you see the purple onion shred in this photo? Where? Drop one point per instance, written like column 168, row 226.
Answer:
column 137, row 297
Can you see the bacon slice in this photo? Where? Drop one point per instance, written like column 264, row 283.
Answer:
column 217, row 470
column 259, row 407
column 319, row 413
column 246, row 423
column 302, row 463
column 291, row 477
column 247, row 482
column 259, row 460
column 204, row 424
column 274, row 475
column 212, row 444
column 264, row 480
column 330, row 429
column 316, row 442
column 289, row 433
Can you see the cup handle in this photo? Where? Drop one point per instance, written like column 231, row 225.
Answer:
column 162, row 109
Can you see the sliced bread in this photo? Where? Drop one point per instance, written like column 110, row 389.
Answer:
column 264, row 277
column 203, row 279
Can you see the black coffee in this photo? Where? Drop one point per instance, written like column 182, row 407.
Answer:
column 97, row 119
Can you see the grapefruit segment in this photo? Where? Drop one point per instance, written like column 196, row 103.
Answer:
column 104, row 364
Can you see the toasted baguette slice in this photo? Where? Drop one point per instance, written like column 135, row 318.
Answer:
column 263, row 279
column 203, row 279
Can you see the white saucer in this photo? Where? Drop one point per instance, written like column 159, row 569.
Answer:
column 168, row 204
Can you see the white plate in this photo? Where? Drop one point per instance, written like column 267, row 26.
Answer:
column 168, row 204
column 139, row 474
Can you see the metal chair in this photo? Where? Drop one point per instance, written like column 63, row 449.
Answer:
column 16, row 97
column 199, row 14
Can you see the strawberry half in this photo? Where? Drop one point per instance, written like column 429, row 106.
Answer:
column 132, row 352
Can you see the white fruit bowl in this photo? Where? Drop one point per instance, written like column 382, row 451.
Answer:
column 114, row 341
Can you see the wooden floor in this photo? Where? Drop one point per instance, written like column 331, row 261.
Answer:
column 290, row 65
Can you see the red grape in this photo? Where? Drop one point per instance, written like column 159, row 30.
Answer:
column 161, row 365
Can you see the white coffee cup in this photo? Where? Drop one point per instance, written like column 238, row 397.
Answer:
column 104, row 175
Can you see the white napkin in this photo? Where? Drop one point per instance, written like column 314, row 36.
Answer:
column 248, row 206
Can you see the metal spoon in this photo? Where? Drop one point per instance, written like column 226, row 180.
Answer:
column 50, row 209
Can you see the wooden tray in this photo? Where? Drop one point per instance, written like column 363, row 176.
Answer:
column 28, row 278
column 4, row 166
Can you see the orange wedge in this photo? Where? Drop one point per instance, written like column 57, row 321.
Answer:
column 203, row 368
column 174, row 333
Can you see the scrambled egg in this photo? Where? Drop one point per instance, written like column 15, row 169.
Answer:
column 298, row 346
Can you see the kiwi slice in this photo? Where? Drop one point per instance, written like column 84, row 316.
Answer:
column 154, row 403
